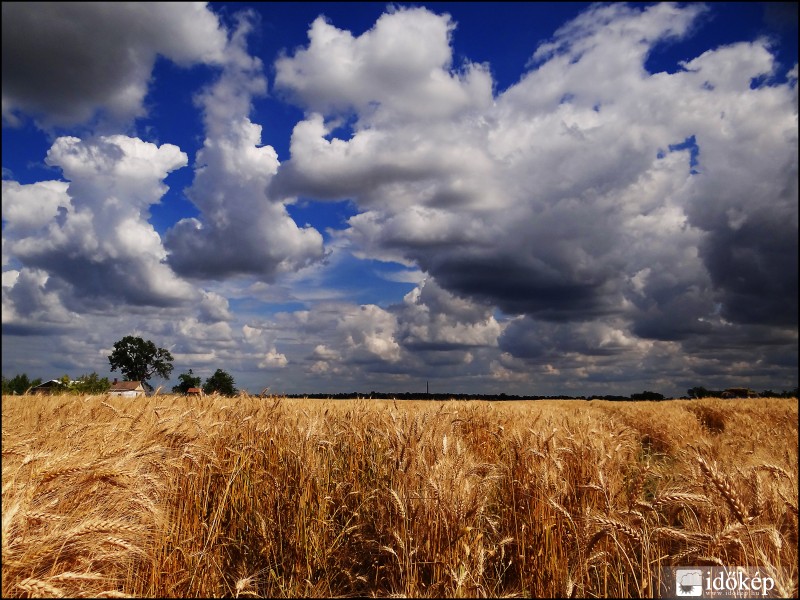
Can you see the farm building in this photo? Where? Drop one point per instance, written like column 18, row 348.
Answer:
column 194, row 391
column 126, row 389
column 54, row 386
column 739, row 393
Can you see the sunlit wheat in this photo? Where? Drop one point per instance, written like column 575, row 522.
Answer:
column 267, row 497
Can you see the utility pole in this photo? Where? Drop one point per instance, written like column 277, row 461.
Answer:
column 427, row 389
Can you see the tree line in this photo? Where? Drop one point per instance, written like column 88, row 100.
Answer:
column 642, row 396
column 701, row 392
column 139, row 360
column 90, row 383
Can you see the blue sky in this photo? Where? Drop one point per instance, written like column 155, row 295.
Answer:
column 529, row 198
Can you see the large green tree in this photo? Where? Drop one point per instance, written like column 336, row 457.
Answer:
column 187, row 380
column 220, row 382
column 140, row 359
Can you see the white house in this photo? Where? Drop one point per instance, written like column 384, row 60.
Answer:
column 127, row 389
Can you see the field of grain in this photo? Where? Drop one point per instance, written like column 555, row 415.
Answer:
column 249, row 497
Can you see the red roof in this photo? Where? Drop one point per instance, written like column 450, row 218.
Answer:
column 194, row 391
column 125, row 386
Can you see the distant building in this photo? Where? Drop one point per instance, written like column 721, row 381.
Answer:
column 194, row 391
column 127, row 389
column 739, row 393
column 54, row 386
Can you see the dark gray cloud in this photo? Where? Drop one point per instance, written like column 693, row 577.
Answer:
column 517, row 286
column 755, row 267
column 63, row 62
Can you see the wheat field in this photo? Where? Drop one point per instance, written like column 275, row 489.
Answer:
column 250, row 497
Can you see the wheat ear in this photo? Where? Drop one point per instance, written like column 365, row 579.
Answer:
column 613, row 525
column 38, row 588
column 725, row 489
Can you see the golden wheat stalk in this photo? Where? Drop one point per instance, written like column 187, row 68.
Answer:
column 725, row 489
column 63, row 472
column 104, row 526
column 107, row 405
column 43, row 517
column 758, row 505
column 712, row 559
column 72, row 576
column 681, row 534
column 670, row 533
column 613, row 525
column 590, row 543
column 775, row 469
column 680, row 498
column 638, row 486
column 680, row 557
column 791, row 506
column 120, row 543
column 399, row 504
column 38, row 588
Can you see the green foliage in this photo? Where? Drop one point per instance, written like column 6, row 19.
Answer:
column 701, row 392
column 645, row 395
column 784, row 394
column 187, row 380
column 220, row 382
column 139, row 359
column 91, row 384
column 19, row 384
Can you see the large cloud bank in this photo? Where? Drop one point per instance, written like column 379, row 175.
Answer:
column 660, row 205
column 593, row 224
